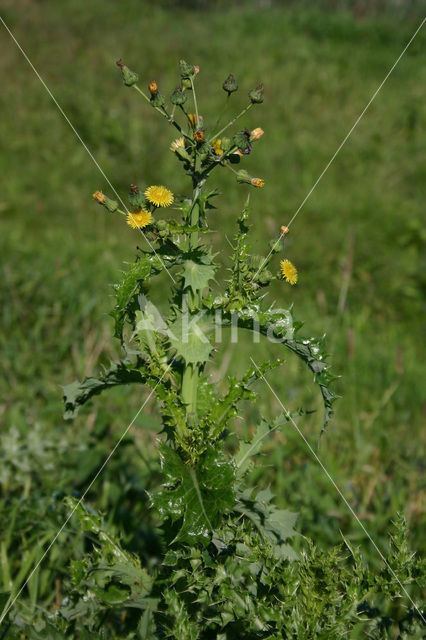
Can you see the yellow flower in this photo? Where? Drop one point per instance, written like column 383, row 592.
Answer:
column 284, row 230
column 257, row 182
column 99, row 197
column 160, row 196
column 139, row 219
column 289, row 271
column 179, row 142
column 216, row 147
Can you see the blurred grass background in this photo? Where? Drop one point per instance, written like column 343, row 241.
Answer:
column 358, row 242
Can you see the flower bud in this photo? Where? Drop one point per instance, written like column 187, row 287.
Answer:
column 264, row 277
column 178, row 96
column 230, row 85
column 274, row 246
column 256, row 134
column 109, row 204
column 225, row 144
column 284, row 230
column 187, row 71
column 129, row 77
column 157, row 100
column 99, row 197
column 199, row 135
column 186, row 84
column 196, row 69
column 257, row 182
column 242, row 141
column 243, row 177
column 256, row 95
column 136, row 197
column 153, row 88
column 182, row 154
column 193, row 118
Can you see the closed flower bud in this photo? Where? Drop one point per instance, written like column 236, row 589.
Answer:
column 186, row 70
column 225, row 144
column 186, row 84
column 99, row 197
column 109, row 204
column 153, row 88
column 193, row 119
column 196, row 69
column 230, row 85
column 157, row 100
column 242, row 141
column 178, row 96
column 243, row 177
column 129, row 77
column 264, row 278
column 136, row 197
column 199, row 136
column 182, row 154
column 274, row 246
column 256, row 134
column 256, row 95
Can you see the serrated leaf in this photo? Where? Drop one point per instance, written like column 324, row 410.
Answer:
column 197, row 276
column 276, row 525
column 249, row 449
column 188, row 335
column 280, row 324
column 196, row 495
column 78, row 393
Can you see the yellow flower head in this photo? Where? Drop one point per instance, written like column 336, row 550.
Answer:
column 99, row 197
column 160, row 196
column 284, row 230
column 216, row 147
column 289, row 271
column 139, row 219
column 257, row 182
column 179, row 142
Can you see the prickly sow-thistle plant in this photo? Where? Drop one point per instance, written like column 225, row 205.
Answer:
column 205, row 506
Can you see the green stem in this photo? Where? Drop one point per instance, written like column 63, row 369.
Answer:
column 195, row 103
column 216, row 135
column 189, row 387
column 162, row 111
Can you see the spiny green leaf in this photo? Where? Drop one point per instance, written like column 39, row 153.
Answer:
column 249, row 449
column 275, row 525
column 188, row 335
column 196, row 495
column 78, row 393
column 197, row 276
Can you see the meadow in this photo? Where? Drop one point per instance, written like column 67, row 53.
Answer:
column 358, row 242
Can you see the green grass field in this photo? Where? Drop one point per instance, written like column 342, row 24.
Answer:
column 358, row 243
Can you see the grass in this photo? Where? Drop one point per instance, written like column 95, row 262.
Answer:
column 360, row 232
